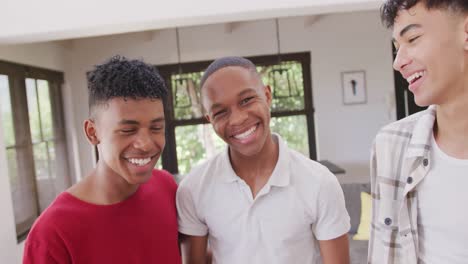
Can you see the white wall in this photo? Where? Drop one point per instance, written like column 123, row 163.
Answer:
column 337, row 42
column 49, row 55
column 45, row 55
column 347, row 42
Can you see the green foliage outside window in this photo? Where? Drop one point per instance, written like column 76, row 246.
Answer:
column 285, row 101
column 193, row 145
column 293, row 129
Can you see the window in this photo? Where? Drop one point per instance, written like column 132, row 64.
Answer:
column 34, row 137
column 190, row 139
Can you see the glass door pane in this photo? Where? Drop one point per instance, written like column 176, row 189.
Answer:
column 6, row 112
column 33, row 111
column 196, row 143
column 293, row 129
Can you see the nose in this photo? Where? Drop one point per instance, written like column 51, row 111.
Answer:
column 401, row 59
column 237, row 117
column 143, row 141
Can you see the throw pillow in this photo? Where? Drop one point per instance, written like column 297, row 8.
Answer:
column 363, row 231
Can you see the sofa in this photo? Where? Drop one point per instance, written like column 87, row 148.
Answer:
column 352, row 193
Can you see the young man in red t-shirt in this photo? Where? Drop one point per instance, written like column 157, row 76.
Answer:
column 123, row 211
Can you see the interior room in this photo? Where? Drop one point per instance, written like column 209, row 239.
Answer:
column 333, row 66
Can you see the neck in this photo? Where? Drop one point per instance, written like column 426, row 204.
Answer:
column 257, row 169
column 450, row 130
column 103, row 186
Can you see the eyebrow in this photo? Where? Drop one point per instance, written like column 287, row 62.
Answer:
column 406, row 29
column 248, row 90
column 134, row 122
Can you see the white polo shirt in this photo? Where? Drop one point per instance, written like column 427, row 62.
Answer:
column 301, row 203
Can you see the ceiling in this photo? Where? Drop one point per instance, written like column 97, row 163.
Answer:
column 23, row 21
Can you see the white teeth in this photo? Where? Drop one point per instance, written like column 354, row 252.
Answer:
column 140, row 162
column 415, row 75
column 246, row 133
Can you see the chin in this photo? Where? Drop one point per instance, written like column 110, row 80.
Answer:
column 423, row 102
column 248, row 152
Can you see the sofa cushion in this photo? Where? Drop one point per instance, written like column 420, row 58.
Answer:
column 352, row 194
column 363, row 231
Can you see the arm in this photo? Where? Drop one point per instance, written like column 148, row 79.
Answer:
column 332, row 222
column 335, row 251
column 193, row 232
column 194, row 249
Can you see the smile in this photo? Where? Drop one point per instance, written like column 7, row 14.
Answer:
column 246, row 134
column 415, row 76
column 140, row 161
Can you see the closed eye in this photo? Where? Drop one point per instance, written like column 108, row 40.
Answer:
column 411, row 40
column 219, row 113
column 127, row 131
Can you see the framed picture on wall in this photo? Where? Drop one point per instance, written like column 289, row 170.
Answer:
column 354, row 87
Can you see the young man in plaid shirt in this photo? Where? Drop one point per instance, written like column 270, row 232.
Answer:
column 419, row 165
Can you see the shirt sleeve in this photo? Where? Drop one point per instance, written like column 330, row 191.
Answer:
column 332, row 219
column 43, row 246
column 189, row 220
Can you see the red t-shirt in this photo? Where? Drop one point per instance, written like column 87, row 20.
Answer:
column 141, row 229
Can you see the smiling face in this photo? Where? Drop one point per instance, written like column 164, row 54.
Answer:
column 432, row 53
column 130, row 136
column 238, row 107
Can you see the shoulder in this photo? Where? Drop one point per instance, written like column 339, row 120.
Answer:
column 311, row 178
column 203, row 174
column 403, row 129
column 306, row 169
column 47, row 226
column 162, row 178
column 392, row 141
column 317, row 188
column 48, row 239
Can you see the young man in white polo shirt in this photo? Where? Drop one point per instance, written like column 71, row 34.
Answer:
column 258, row 201
column 420, row 164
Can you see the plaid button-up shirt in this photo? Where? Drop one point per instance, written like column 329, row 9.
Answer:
column 400, row 160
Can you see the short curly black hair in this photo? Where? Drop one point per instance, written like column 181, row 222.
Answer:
column 390, row 9
column 121, row 77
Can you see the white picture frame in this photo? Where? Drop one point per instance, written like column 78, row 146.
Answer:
column 354, row 87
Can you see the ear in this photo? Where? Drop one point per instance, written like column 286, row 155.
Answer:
column 91, row 132
column 207, row 118
column 466, row 33
column 268, row 95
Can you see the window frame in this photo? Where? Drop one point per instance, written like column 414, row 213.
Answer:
column 169, row 157
column 17, row 75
